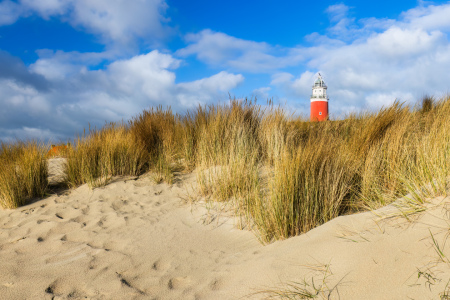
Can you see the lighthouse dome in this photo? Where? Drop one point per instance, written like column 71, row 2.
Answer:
column 319, row 82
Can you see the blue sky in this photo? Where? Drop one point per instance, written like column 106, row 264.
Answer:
column 65, row 64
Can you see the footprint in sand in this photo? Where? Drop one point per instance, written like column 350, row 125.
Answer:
column 117, row 205
column 85, row 210
column 78, row 236
column 81, row 220
column 61, row 287
column 66, row 212
column 215, row 284
column 179, row 283
column 111, row 221
column 28, row 211
column 217, row 255
column 101, row 222
column 161, row 265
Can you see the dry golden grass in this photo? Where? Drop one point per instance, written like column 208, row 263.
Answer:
column 284, row 175
column 317, row 171
column 160, row 132
column 23, row 174
column 104, row 153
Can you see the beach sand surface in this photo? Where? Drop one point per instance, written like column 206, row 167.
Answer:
column 135, row 239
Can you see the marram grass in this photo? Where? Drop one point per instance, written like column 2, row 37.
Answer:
column 101, row 154
column 284, row 175
column 23, row 173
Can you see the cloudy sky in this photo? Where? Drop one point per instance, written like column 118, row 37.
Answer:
column 65, row 64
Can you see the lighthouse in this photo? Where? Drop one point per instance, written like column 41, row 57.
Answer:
column 319, row 100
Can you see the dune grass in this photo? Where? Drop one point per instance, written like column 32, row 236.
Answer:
column 288, row 176
column 23, row 173
column 101, row 154
column 284, row 175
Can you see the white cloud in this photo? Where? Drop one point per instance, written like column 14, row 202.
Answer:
column 46, row 8
column 215, row 47
column 221, row 81
column 397, row 43
column 376, row 100
column 296, row 87
column 9, row 12
column 147, row 73
column 280, row 78
column 120, row 20
column 29, row 133
column 19, row 96
column 117, row 22
column 262, row 93
column 55, row 65
column 191, row 94
column 337, row 12
column 428, row 17
column 220, row 49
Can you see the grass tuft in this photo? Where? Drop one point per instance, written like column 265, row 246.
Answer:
column 24, row 173
column 104, row 153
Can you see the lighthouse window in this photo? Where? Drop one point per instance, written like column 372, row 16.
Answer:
column 320, row 113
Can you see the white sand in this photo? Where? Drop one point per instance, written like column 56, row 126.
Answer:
column 138, row 240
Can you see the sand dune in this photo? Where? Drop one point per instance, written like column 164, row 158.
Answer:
column 135, row 239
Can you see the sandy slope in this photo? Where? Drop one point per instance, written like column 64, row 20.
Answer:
column 134, row 239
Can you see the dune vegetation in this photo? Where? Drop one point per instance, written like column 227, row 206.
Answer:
column 23, row 173
column 283, row 175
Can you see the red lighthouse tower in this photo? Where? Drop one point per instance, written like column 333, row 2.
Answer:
column 319, row 101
